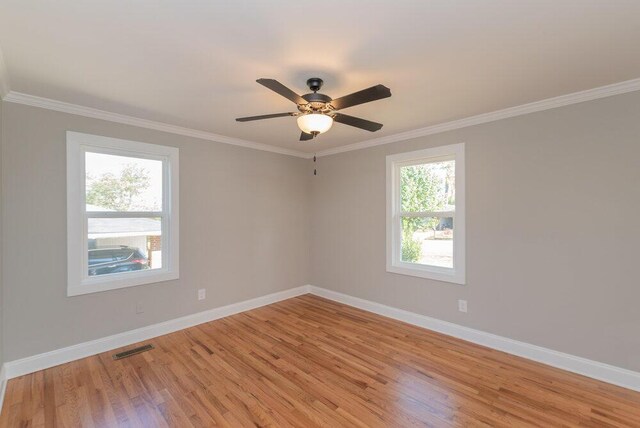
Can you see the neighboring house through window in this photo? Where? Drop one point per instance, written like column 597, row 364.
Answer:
column 425, row 213
column 122, row 213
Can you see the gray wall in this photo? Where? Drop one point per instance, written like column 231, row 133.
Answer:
column 552, row 203
column 552, row 230
column 1, row 240
column 243, row 233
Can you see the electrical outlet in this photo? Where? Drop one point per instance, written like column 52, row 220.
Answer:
column 462, row 305
column 139, row 308
column 202, row 294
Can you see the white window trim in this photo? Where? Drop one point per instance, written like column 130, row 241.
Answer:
column 78, row 280
column 394, row 263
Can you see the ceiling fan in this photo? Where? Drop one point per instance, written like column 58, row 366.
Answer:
column 317, row 112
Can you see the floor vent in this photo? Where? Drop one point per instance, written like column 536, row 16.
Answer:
column 131, row 352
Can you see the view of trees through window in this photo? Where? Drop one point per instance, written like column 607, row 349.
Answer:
column 120, row 193
column 428, row 189
column 121, row 183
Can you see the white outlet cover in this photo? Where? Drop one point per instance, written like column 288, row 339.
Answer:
column 139, row 308
column 462, row 305
column 202, row 294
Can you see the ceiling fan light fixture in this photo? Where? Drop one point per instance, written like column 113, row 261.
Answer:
column 317, row 112
column 314, row 123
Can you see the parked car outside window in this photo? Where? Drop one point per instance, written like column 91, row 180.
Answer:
column 104, row 261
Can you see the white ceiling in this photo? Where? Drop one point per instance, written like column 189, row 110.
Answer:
column 194, row 63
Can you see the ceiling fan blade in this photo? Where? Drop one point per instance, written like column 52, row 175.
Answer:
column 264, row 116
column 305, row 137
column 357, row 122
column 279, row 88
column 366, row 95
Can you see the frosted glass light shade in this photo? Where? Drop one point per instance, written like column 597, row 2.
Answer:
column 315, row 123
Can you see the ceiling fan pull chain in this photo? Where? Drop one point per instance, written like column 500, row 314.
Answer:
column 315, row 171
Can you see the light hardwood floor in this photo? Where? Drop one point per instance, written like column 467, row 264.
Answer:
column 310, row 362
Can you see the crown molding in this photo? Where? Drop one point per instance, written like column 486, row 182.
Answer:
column 536, row 106
column 47, row 103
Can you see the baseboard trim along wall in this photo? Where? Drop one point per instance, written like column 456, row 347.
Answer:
column 3, row 384
column 593, row 369
column 75, row 352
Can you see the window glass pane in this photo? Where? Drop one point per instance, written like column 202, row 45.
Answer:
column 428, row 241
column 121, row 183
column 428, row 187
column 119, row 245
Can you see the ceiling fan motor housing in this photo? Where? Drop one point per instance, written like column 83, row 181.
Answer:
column 316, row 102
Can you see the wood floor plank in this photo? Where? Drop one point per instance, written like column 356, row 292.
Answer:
column 311, row 362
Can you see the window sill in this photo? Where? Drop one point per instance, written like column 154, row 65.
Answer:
column 428, row 272
column 121, row 280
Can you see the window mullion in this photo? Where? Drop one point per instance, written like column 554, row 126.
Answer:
column 124, row 214
column 438, row 214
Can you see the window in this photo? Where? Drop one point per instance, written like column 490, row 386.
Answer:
column 122, row 213
column 425, row 213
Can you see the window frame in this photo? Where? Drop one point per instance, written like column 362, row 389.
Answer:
column 394, row 264
column 78, row 280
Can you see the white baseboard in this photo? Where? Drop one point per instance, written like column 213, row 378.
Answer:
column 3, row 384
column 593, row 369
column 43, row 361
column 596, row 370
